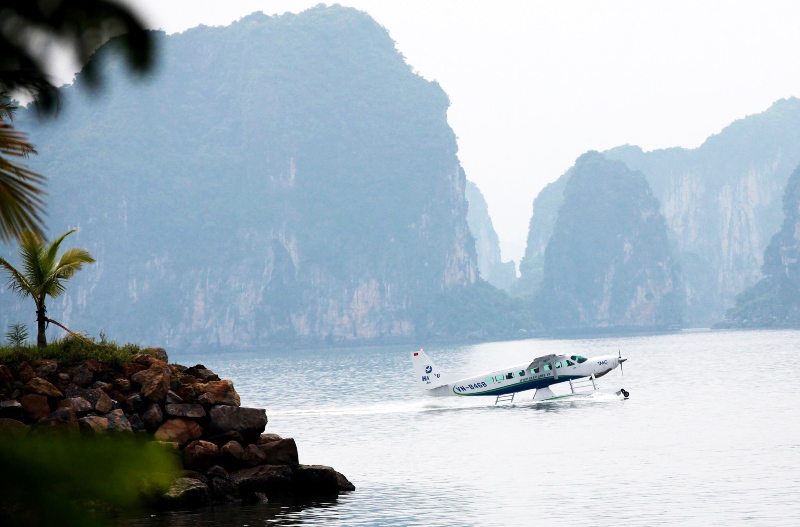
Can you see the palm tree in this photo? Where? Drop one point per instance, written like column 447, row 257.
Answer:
column 44, row 273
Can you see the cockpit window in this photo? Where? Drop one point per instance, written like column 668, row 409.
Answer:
column 558, row 364
column 570, row 363
column 579, row 359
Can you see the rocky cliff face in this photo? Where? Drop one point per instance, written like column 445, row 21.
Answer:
column 608, row 262
column 487, row 245
column 775, row 300
column 720, row 202
column 284, row 178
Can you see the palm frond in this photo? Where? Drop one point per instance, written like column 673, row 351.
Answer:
column 17, row 281
column 21, row 203
column 31, row 250
column 49, row 259
column 72, row 261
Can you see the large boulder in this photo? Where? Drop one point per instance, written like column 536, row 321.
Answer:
column 35, row 406
column 40, row 386
column 154, row 382
column 253, row 455
column 200, row 455
column 46, row 367
column 315, row 480
column 25, row 372
column 186, row 492
column 270, row 480
column 232, row 453
column 179, row 430
column 218, row 392
column 92, row 425
column 280, row 452
column 152, row 417
column 249, row 422
column 12, row 428
column 117, row 422
column 62, row 420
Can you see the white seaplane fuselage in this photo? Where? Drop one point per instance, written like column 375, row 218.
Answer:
column 538, row 374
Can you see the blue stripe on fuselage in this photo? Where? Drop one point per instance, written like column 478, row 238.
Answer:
column 521, row 386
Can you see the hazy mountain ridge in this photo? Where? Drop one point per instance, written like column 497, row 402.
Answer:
column 283, row 178
column 487, row 245
column 720, row 203
column 608, row 263
column 775, row 300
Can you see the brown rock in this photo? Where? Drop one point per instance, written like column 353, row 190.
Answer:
column 230, row 435
column 93, row 425
column 249, row 422
column 12, row 428
column 282, row 452
column 134, row 403
column 207, row 399
column 118, row 423
column 25, row 372
column 104, row 404
column 122, row 385
column 6, row 377
column 253, row 455
column 46, row 367
column 149, row 360
column 82, row 375
column 173, row 398
column 152, row 417
column 35, row 406
column 222, row 391
column 40, row 386
column 270, row 480
column 268, row 438
column 186, row 492
column 132, row 368
column 185, row 410
column 200, row 455
column 76, row 404
column 179, row 430
column 232, row 451
column 315, row 480
column 63, row 420
column 11, row 409
column 344, row 483
column 154, row 382
column 201, row 372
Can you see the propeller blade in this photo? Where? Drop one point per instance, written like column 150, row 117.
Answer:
column 620, row 363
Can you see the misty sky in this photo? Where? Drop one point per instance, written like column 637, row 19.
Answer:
column 534, row 84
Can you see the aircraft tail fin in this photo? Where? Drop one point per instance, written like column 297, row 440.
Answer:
column 428, row 375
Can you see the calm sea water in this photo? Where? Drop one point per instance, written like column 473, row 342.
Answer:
column 709, row 436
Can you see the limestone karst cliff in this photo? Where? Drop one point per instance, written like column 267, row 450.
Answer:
column 285, row 178
column 721, row 203
column 775, row 300
column 487, row 245
column 608, row 262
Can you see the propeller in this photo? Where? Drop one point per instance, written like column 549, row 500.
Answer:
column 621, row 360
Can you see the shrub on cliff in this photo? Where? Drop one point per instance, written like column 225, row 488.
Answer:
column 71, row 350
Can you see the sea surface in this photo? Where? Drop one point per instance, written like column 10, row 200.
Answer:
column 709, row 436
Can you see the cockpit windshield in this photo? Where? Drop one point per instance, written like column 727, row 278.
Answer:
column 579, row 359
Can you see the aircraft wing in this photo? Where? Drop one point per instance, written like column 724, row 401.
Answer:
column 538, row 361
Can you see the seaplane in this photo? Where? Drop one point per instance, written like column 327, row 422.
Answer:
column 541, row 373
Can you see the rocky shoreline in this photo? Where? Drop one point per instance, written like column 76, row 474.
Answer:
column 225, row 454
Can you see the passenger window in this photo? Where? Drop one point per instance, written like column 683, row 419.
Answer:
column 510, row 375
column 548, row 367
column 558, row 364
column 521, row 373
column 570, row 363
column 535, row 370
column 489, row 380
column 499, row 378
